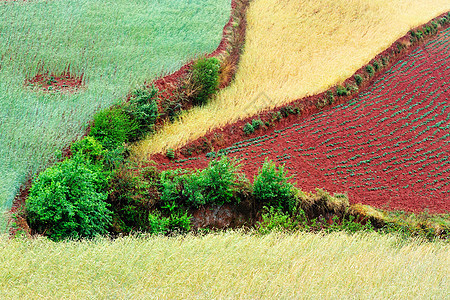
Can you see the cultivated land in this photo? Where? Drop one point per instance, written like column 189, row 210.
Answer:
column 248, row 265
column 115, row 46
column 228, row 265
column 388, row 147
column 298, row 48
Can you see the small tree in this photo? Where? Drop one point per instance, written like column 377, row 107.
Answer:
column 206, row 78
column 68, row 200
column 272, row 188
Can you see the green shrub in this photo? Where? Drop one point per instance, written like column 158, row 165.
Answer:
column 358, row 79
column 216, row 184
column 271, row 187
column 68, row 201
column 248, row 129
column 113, row 127
column 385, row 61
column 219, row 180
column 370, row 70
column 329, row 98
column 131, row 197
column 88, row 147
column 170, row 153
column 276, row 220
column 348, row 225
column 257, row 124
column 205, row 72
column 143, row 108
column 157, row 223
column 342, row 91
column 286, row 111
column 376, row 65
column 179, row 222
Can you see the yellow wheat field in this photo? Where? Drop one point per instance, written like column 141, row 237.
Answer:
column 298, row 48
column 226, row 266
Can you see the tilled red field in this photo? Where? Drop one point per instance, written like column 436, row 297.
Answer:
column 388, row 147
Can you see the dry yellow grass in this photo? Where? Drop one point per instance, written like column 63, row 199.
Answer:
column 226, row 266
column 297, row 48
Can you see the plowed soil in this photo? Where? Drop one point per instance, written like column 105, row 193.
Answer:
column 387, row 147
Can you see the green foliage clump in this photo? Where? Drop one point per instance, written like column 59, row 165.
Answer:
column 276, row 220
column 205, row 72
column 329, row 98
column 179, row 222
column 143, row 108
column 248, row 129
column 376, row 65
column 271, row 187
column 370, row 70
column 89, row 148
column 131, row 197
column 216, row 184
column 358, row 79
column 170, row 153
column 68, row 200
column 257, row 124
column 113, row 127
column 342, row 91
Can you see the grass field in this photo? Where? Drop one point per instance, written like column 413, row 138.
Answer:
column 226, row 265
column 115, row 45
column 294, row 49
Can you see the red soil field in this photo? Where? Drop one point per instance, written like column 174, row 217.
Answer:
column 387, row 147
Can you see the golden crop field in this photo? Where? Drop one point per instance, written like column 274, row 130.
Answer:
column 226, row 265
column 294, row 49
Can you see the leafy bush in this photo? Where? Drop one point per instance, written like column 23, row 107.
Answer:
column 272, row 188
column 170, row 153
column 131, row 197
column 178, row 222
column 68, row 201
column 157, row 224
column 370, row 70
column 342, row 91
column 219, row 180
column 248, row 129
column 376, row 65
column 88, row 147
column 143, row 108
column 287, row 110
column 205, row 73
column 257, row 124
column 113, row 127
column 276, row 220
column 358, row 79
column 216, row 184
column 330, row 97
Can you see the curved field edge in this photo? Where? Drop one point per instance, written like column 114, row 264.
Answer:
column 40, row 123
column 228, row 51
column 286, row 59
column 297, row 141
column 227, row 265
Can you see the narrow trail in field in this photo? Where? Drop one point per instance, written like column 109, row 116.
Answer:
column 388, row 147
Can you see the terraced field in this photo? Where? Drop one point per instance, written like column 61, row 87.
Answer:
column 388, row 147
column 294, row 49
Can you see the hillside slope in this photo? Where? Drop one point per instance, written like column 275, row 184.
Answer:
column 388, row 147
column 298, row 48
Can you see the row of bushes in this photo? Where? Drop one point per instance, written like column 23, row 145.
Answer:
column 82, row 197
